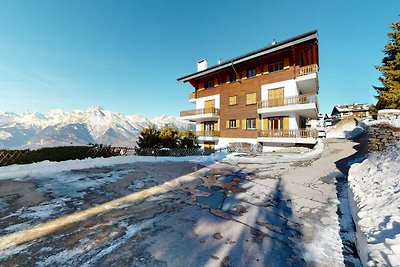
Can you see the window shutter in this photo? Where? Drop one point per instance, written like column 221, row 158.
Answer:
column 258, row 124
column 201, row 86
column 265, row 124
column 286, row 123
column 258, row 71
column 244, row 126
column 265, row 68
column 237, row 123
column 202, row 126
column 227, row 124
column 286, row 63
column 215, row 125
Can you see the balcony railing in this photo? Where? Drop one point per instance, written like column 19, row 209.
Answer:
column 307, row 69
column 282, row 133
column 192, row 95
column 287, row 101
column 214, row 111
column 207, row 133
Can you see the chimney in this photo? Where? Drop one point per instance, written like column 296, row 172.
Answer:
column 219, row 61
column 202, row 65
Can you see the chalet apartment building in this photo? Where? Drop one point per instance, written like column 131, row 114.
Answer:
column 265, row 96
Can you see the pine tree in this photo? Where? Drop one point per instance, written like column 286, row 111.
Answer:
column 169, row 136
column 149, row 138
column 389, row 93
column 188, row 139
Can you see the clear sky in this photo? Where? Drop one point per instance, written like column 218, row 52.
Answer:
column 126, row 55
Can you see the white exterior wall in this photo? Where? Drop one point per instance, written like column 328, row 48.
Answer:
column 290, row 88
column 200, row 101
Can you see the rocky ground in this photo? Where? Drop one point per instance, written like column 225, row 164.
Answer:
column 228, row 213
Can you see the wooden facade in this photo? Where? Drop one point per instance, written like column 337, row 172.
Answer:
column 239, row 86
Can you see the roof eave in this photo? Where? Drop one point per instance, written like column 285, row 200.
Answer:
column 285, row 44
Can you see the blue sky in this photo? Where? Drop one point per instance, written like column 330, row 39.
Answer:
column 126, row 55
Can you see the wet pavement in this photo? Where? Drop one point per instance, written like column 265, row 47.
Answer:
column 182, row 214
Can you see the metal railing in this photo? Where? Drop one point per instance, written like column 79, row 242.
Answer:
column 200, row 111
column 192, row 95
column 207, row 133
column 307, row 69
column 289, row 133
column 287, row 101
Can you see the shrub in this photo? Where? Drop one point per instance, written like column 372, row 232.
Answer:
column 149, row 138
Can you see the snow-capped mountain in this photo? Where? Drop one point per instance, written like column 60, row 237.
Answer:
column 78, row 127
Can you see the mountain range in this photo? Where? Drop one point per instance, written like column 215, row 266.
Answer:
column 78, row 127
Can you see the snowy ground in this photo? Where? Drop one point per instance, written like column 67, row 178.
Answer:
column 375, row 187
column 281, row 209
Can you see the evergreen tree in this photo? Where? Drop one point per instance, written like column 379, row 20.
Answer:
column 389, row 93
column 169, row 136
column 188, row 139
column 149, row 138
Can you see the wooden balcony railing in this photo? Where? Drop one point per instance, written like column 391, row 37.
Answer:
column 214, row 111
column 307, row 69
column 192, row 95
column 298, row 133
column 208, row 133
column 287, row 101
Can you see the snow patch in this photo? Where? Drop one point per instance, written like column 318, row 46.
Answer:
column 5, row 135
column 375, row 186
column 45, row 168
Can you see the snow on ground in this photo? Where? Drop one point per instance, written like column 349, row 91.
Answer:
column 275, row 157
column 340, row 129
column 375, row 187
column 47, row 167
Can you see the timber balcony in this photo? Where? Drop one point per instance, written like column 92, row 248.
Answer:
column 304, row 136
column 204, row 134
column 307, row 79
column 200, row 114
column 305, row 70
column 304, row 105
column 192, row 97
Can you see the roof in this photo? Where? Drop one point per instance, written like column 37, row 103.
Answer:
column 353, row 107
column 254, row 54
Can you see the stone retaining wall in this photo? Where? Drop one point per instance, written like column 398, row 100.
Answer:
column 380, row 136
column 388, row 114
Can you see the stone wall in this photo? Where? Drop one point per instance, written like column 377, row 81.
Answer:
column 382, row 135
column 388, row 114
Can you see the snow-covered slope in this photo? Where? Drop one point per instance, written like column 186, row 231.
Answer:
column 78, row 127
column 375, row 188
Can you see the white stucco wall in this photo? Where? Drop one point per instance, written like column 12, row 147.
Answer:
column 200, row 101
column 290, row 88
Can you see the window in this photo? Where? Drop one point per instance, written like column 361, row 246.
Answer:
column 232, row 77
column 251, row 99
column 208, row 126
column 209, row 84
column 275, row 123
column 232, row 124
column 251, row 124
column 232, row 100
column 251, row 73
column 277, row 66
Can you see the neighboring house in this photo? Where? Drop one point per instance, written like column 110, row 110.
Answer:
column 357, row 110
column 265, row 96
